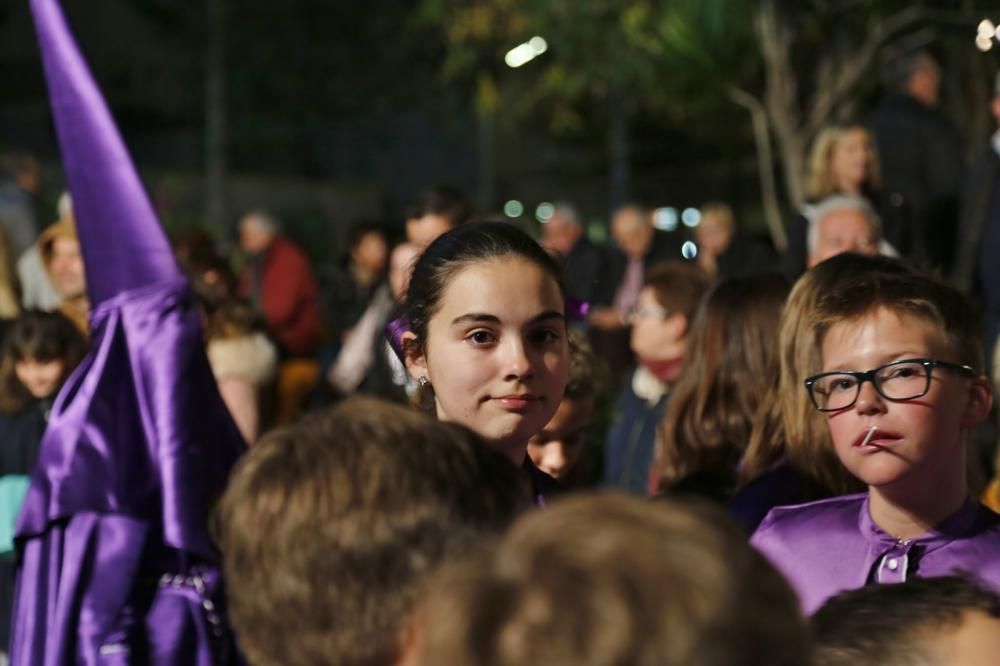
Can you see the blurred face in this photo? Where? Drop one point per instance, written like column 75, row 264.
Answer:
column 976, row 642
column 66, row 268
column 41, row 378
column 657, row 335
column 916, row 443
column 850, row 158
column 556, row 449
column 254, row 239
column 422, row 231
column 632, row 232
column 925, row 84
column 559, row 234
column 370, row 253
column 840, row 231
column 496, row 352
column 401, row 263
column 713, row 233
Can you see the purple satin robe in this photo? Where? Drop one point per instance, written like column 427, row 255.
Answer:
column 833, row 545
column 116, row 563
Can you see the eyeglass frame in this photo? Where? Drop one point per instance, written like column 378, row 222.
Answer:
column 928, row 365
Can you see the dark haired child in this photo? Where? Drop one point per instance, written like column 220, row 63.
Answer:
column 900, row 385
column 560, row 447
column 487, row 337
column 38, row 354
column 661, row 321
column 947, row 621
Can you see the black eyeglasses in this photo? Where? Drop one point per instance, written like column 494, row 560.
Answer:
column 900, row 380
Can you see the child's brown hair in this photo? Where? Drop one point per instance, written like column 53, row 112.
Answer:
column 328, row 527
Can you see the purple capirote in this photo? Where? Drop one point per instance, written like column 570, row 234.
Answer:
column 833, row 545
column 117, row 566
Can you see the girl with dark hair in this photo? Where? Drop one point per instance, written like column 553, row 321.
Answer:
column 486, row 338
column 39, row 352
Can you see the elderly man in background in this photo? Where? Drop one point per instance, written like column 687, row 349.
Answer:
column 843, row 223
column 279, row 282
column 640, row 246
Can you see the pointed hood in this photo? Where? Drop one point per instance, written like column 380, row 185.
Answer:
column 123, row 244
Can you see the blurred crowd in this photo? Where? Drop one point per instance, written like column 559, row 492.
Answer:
column 709, row 369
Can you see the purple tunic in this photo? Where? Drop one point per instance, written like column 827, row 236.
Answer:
column 116, row 563
column 833, row 545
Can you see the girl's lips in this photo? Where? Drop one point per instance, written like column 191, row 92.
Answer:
column 516, row 402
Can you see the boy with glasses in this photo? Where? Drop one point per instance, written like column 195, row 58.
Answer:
column 899, row 386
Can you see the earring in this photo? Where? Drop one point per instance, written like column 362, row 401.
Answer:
column 422, row 381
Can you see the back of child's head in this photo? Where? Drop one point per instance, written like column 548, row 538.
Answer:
column 874, row 285
column 611, row 579
column 899, row 625
column 790, row 427
column 328, row 527
column 678, row 286
column 460, row 248
column 37, row 336
column 730, row 366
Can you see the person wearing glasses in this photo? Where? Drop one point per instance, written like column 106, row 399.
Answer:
column 900, row 386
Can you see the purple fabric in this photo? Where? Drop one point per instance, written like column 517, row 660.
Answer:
column 833, row 545
column 116, row 563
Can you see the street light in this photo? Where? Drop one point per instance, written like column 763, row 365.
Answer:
column 524, row 53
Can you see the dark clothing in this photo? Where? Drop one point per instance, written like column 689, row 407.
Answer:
column 746, row 256
column 780, row 486
column 544, row 488
column 978, row 213
column 664, row 246
column 20, row 439
column 921, row 158
column 631, row 440
column 344, row 299
column 281, row 285
column 585, row 272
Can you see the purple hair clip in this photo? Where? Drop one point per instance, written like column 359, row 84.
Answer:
column 394, row 331
column 576, row 310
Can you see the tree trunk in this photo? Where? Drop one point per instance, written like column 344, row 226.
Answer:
column 487, row 101
column 619, row 171
column 215, row 121
column 765, row 166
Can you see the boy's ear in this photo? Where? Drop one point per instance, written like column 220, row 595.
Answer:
column 977, row 409
column 416, row 362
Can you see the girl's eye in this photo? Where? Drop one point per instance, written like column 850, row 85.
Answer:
column 544, row 336
column 481, row 337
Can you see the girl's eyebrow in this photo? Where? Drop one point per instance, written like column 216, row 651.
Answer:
column 484, row 318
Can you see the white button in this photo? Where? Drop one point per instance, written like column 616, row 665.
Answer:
column 893, row 564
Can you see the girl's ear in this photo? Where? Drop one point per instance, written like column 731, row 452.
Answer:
column 977, row 409
column 416, row 362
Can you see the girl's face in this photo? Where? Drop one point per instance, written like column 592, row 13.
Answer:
column 41, row 378
column 850, row 157
column 496, row 352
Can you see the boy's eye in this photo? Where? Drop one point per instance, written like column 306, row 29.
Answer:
column 842, row 384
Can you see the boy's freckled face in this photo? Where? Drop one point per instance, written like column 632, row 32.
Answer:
column 915, row 439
